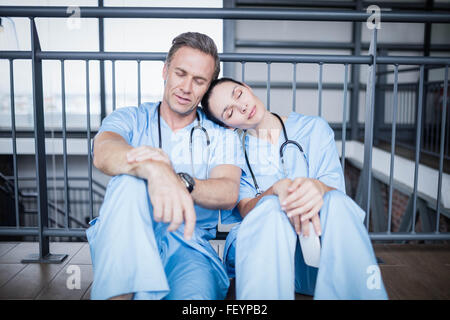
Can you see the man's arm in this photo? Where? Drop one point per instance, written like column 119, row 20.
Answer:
column 110, row 155
column 220, row 190
column 170, row 200
column 114, row 156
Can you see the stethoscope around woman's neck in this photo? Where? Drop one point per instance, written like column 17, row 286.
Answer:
column 282, row 147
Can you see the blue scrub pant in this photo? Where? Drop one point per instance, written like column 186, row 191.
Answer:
column 266, row 254
column 131, row 253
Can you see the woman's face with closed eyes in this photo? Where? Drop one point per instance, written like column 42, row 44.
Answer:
column 236, row 105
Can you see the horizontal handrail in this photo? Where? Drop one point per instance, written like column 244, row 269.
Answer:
column 336, row 45
column 59, row 178
column 230, row 57
column 79, row 232
column 221, row 13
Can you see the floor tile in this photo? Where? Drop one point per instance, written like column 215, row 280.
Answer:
column 30, row 281
column 69, row 284
column 6, row 246
column 83, row 256
column 8, row 271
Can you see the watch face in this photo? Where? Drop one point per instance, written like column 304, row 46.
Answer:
column 188, row 181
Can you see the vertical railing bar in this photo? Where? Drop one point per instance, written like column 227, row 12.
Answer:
column 412, row 110
column 139, row 81
column 437, row 129
column 39, row 137
column 436, row 142
column 268, row 86
column 243, row 71
column 428, row 130
column 430, row 135
column 294, row 87
column 88, row 116
column 320, row 88
column 441, row 154
column 400, row 111
column 405, row 108
column 393, row 134
column 448, row 135
column 368, row 131
column 40, row 158
column 101, row 47
column 113, row 84
column 344, row 118
column 14, row 141
column 410, row 107
column 417, row 156
column 64, row 136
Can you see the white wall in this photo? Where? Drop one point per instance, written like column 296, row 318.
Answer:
column 141, row 35
column 332, row 100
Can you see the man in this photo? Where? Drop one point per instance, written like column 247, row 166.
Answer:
column 150, row 240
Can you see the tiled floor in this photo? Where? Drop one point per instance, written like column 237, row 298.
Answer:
column 409, row 271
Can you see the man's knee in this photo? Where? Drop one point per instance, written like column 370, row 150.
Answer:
column 125, row 191
column 128, row 185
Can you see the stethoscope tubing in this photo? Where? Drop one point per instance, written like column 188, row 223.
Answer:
column 191, row 135
column 281, row 152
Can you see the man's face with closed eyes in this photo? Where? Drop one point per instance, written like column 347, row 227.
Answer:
column 187, row 77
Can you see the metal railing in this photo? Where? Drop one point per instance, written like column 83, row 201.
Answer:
column 372, row 60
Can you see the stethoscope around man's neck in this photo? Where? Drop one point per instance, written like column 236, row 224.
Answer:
column 282, row 147
column 191, row 135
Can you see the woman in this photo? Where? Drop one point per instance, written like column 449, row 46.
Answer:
column 287, row 188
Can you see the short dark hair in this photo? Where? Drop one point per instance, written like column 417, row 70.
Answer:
column 197, row 41
column 205, row 100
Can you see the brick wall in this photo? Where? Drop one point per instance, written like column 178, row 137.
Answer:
column 399, row 201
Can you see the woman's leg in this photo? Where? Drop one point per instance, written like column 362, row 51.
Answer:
column 305, row 276
column 265, row 250
column 348, row 268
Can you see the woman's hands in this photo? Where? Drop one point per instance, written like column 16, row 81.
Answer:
column 302, row 199
column 280, row 189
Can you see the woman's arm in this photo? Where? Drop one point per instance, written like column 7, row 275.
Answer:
column 280, row 187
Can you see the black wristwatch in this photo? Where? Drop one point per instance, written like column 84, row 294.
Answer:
column 187, row 180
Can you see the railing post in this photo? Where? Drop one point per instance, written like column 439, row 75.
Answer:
column 355, row 72
column 229, row 39
column 380, row 99
column 368, row 128
column 101, row 47
column 426, row 53
column 44, row 255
